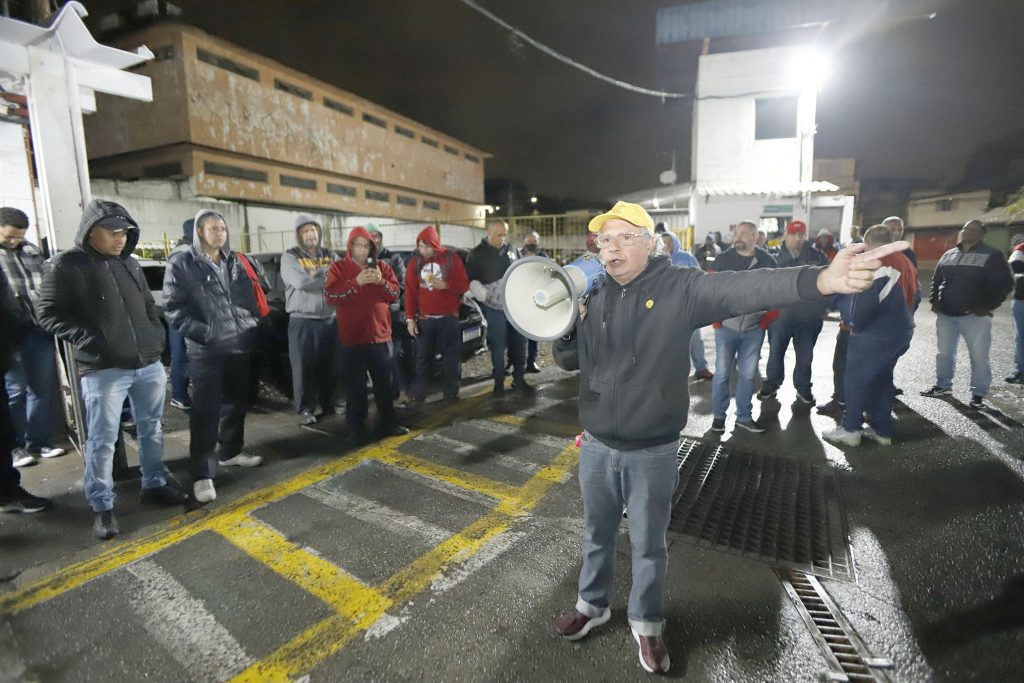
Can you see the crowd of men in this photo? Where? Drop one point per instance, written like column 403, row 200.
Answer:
column 344, row 311
column 340, row 331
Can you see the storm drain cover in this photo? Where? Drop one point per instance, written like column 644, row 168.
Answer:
column 780, row 510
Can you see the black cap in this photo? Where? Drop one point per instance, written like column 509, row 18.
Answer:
column 115, row 223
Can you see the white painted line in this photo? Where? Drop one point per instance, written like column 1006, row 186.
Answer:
column 464, row 448
column 490, row 550
column 436, row 484
column 381, row 515
column 182, row 624
column 556, row 443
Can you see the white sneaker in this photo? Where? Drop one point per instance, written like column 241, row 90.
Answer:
column 22, row 458
column 870, row 433
column 243, row 460
column 203, row 490
column 47, row 452
column 841, row 436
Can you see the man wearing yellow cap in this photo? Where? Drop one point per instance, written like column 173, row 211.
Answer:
column 634, row 400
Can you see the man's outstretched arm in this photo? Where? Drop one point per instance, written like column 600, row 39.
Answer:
column 852, row 271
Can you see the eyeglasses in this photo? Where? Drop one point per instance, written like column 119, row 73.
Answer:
column 623, row 239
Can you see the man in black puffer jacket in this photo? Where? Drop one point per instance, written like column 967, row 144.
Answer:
column 96, row 298
column 210, row 297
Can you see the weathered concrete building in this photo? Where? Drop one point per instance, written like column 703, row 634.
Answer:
column 231, row 125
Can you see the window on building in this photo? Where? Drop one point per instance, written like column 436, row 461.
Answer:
column 171, row 168
column 295, row 181
column 343, row 190
column 405, row 201
column 945, row 205
column 338, row 106
column 405, row 132
column 472, row 157
column 377, row 196
column 451, row 150
column 292, row 89
column 227, row 64
column 229, row 171
column 429, row 204
column 429, row 142
column 775, row 118
column 375, row 120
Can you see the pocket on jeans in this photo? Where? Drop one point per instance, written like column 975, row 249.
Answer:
column 670, row 448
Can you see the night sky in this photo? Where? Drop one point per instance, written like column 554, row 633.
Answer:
column 908, row 99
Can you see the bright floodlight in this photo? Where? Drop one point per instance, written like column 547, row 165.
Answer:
column 533, row 200
column 811, row 68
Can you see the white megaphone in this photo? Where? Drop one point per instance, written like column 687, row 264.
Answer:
column 541, row 296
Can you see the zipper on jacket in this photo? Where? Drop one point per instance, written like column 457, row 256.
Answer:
column 131, row 325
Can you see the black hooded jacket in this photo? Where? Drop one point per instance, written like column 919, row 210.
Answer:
column 633, row 388
column 211, row 317
column 101, row 304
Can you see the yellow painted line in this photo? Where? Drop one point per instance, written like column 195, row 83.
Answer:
column 313, row 574
column 182, row 528
column 471, row 482
column 71, row 577
column 509, row 419
column 304, row 652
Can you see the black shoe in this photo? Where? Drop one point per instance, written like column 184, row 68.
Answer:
column 20, row 500
column 1017, row 378
column 833, row 409
column 168, row 494
column 718, row 424
column 104, row 526
column 977, row 403
column 499, row 387
column 936, row 391
column 307, row 418
column 750, row 426
column 392, row 430
column 532, row 368
column 763, row 395
column 521, row 387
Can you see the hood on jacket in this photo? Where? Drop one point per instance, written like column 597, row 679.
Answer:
column 197, row 242
column 96, row 211
column 304, row 219
column 677, row 246
column 430, row 236
column 188, row 229
column 360, row 231
column 1019, row 247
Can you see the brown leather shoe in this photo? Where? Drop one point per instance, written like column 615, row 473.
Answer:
column 653, row 654
column 574, row 625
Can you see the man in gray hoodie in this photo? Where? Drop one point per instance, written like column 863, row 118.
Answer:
column 312, row 337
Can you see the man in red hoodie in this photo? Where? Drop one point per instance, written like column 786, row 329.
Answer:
column 360, row 288
column 434, row 284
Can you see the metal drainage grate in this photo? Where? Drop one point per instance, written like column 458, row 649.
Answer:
column 784, row 511
column 847, row 655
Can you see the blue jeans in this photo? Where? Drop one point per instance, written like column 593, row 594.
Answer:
column 104, row 392
column 804, row 335
column 697, row 351
column 1017, row 307
column 180, row 371
column 743, row 348
column 977, row 333
column 32, row 389
column 868, row 384
column 644, row 481
column 501, row 335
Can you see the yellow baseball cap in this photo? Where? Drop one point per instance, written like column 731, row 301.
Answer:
column 631, row 213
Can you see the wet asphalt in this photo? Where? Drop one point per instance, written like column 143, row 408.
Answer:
column 450, row 552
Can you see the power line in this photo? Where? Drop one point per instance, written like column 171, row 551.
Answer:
column 562, row 58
